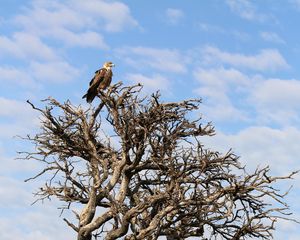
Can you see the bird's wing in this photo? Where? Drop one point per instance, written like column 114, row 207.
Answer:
column 99, row 75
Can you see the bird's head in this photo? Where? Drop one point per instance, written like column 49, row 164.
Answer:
column 108, row 65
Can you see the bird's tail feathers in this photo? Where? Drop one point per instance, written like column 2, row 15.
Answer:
column 89, row 100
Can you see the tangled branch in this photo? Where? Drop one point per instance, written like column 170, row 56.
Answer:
column 152, row 177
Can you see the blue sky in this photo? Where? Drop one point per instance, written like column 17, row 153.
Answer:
column 240, row 56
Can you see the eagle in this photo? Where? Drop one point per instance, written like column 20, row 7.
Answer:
column 100, row 81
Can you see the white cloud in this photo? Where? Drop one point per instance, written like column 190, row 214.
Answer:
column 19, row 219
column 220, row 77
column 82, row 39
column 232, row 95
column 11, row 76
column 16, row 128
column 17, row 118
column 229, row 94
column 167, row 60
column 271, row 37
column 215, row 85
column 151, row 84
column 245, row 9
column 116, row 15
column 12, row 167
column 265, row 146
column 243, row 36
column 288, row 228
column 266, row 59
column 35, row 75
column 259, row 145
column 26, row 46
column 53, row 71
column 278, row 92
column 8, row 192
column 73, row 22
column 174, row 15
column 85, row 19
column 242, row 7
column 33, row 223
column 277, row 101
column 11, row 107
column 210, row 28
column 295, row 3
column 218, row 107
column 42, row 15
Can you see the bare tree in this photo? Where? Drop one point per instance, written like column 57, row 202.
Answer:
column 150, row 175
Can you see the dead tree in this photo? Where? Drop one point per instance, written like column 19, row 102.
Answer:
column 149, row 175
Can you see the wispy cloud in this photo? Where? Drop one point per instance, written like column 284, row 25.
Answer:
column 215, row 29
column 265, row 60
column 276, row 101
column 220, row 78
column 215, row 85
column 231, row 94
column 11, row 107
column 44, row 16
column 210, row 28
column 16, row 118
column 76, row 23
column 239, row 95
column 59, row 71
column 45, row 29
column 261, row 145
column 246, row 9
column 12, row 77
column 151, row 84
column 115, row 16
column 271, row 37
column 25, row 45
column 41, row 221
column 83, row 39
column 174, row 15
column 166, row 60
column 295, row 3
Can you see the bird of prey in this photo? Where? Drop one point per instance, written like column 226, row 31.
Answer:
column 100, row 81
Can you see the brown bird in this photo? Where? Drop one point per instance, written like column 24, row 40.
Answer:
column 100, row 81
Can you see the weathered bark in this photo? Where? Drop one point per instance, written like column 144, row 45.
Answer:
column 152, row 176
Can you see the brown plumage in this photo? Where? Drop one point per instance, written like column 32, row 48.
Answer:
column 100, row 81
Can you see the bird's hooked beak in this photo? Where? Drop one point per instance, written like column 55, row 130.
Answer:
column 112, row 65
